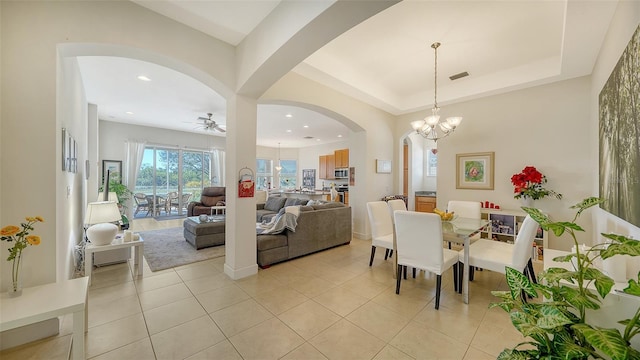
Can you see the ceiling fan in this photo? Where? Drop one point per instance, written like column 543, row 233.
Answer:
column 210, row 124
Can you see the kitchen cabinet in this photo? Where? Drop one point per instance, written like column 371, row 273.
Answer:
column 346, row 198
column 425, row 203
column 326, row 167
column 341, row 158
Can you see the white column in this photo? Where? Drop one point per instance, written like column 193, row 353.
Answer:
column 240, row 237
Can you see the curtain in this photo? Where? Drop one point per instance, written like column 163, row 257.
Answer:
column 217, row 167
column 133, row 159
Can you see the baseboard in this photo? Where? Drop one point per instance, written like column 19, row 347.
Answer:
column 361, row 236
column 236, row 274
column 28, row 333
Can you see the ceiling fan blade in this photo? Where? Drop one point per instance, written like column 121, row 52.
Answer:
column 218, row 128
column 203, row 118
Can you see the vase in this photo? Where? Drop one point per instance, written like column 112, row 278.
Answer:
column 15, row 287
column 526, row 202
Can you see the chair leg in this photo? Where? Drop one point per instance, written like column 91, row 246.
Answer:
column 398, row 279
column 532, row 274
column 390, row 252
column 455, row 277
column 438, row 284
column 405, row 272
column 449, row 245
column 373, row 253
column 386, row 254
column 414, row 273
column 471, row 272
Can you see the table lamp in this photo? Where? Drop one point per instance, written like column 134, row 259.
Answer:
column 101, row 215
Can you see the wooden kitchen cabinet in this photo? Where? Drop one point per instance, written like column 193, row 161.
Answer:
column 341, row 158
column 425, row 203
column 346, row 198
column 326, row 167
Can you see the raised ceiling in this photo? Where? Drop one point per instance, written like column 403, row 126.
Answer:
column 385, row 61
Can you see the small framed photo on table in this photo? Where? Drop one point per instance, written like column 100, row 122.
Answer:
column 475, row 171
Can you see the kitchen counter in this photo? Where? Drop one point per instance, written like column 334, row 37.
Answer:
column 426, row 193
column 311, row 195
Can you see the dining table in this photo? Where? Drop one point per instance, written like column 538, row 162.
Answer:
column 459, row 230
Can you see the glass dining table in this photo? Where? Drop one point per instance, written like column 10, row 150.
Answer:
column 460, row 231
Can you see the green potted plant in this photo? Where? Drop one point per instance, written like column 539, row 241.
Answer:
column 557, row 327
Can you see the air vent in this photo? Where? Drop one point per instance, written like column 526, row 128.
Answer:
column 308, row 137
column 458, row 76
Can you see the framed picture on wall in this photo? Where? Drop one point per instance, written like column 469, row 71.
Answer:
column 64, row 149
column 475, row 171
column 116, row 170
column 383, row 166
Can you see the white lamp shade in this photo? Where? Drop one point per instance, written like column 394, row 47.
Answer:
column 112, row 197
column 417, row 125
column 102, row 212
column 432, row 120
column 102, row 234
column 454, row 121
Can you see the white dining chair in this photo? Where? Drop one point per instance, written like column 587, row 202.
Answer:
column 497, row 255
column 381, row 228
column 419, row 245
column 465, row 209
column 396, row 204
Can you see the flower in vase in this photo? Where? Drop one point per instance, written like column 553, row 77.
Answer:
column 528, row 184
column 21, row 239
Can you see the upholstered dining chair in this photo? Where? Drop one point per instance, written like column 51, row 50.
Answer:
column 381, row 228
column 465, row 209
column 497, row 255
column 396, row 204
column 419, row 245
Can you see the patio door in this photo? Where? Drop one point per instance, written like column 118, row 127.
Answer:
column 165, row 172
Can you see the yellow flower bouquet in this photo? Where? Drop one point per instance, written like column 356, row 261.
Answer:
column 21, row 239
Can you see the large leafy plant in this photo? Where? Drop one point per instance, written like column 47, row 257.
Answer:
column 557, row 327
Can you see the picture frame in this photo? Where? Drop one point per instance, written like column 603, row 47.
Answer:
column 383, row 166
column 116, row 170
column 65, row 154
column 475, row 171
column 309, row 178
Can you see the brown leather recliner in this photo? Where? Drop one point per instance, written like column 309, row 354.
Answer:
column 211, row 196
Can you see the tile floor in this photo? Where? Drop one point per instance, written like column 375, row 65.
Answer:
column 329, row 305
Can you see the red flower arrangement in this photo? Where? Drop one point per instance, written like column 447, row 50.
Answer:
column 528, row 183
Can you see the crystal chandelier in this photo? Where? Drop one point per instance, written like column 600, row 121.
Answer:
column 431, row 128
column 278, row 167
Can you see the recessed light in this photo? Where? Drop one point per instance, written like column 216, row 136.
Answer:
column 306, row 126
column 289, row 115
column 129, row 112
column 339, row 135
column 288, row 131
column 317, row 139
column 143, row 78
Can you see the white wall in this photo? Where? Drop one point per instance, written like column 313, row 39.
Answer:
column 545, row 126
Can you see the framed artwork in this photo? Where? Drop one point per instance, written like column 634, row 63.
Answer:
column 309, row 178
column 383, row 166
column 619, row 114
column 65, row 151
column 475, row 171
column 116, row 170
column 352, row 176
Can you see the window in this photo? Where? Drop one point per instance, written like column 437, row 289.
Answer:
column 288, row 174
column 264, row 174
column 432, row 163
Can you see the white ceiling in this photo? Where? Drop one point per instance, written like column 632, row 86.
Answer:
column 385, row 61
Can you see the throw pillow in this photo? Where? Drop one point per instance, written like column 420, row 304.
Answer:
column 221, row 203
column 274, row 203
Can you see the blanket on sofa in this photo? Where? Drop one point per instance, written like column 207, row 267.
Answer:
column 287, row 220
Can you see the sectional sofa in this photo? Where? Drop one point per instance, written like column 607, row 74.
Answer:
column 320, row 227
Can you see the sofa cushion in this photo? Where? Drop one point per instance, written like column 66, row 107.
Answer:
column 211, row 200
column 295, row 201
column 268, row 241
column 306, row 208
column 274, row 203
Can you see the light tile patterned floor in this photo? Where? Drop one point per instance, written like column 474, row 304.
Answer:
column 329, row 305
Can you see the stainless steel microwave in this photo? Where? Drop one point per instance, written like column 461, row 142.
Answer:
column 341, row 173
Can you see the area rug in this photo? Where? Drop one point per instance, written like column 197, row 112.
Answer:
column 167, row 248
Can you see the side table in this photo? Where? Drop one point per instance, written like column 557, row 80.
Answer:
column 44, row 302
column 118, row 243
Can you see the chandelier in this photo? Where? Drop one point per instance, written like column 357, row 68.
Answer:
column 431, row 127
column 279, row 166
